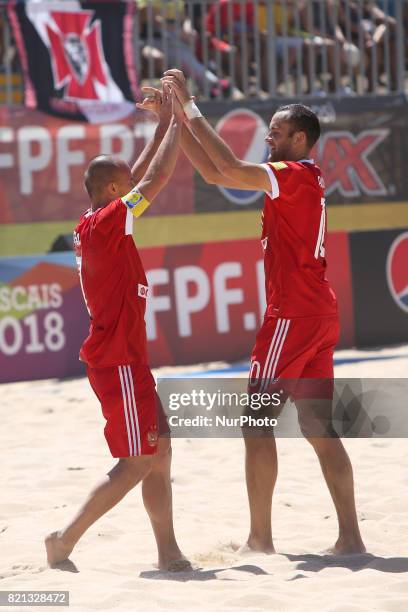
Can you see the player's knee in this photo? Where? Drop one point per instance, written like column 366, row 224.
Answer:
column 307, row 427
column 162, row 459
column 315, row 421
column 134, row 469
column 323, row 445
column 258, row 445
column 314, row 432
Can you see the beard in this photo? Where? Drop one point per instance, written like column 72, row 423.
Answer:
column 277, row 155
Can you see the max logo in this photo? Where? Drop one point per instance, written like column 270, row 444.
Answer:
column 76, row 54
column 343, row 158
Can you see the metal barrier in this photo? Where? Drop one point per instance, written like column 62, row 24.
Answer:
column 277, row 47
column 260, row 48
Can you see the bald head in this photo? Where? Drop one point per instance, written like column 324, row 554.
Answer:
column 104, row 172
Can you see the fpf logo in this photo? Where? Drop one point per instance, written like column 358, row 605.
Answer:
column 244, row 131
column 397, row 271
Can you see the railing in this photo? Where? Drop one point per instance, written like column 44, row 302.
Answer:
column 277, row 47
column 259, row 48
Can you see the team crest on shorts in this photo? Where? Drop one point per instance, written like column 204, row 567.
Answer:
column 152, row 437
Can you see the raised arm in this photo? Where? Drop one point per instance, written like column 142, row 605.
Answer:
column 192, row 147
column 154, row 104
column 199, row 158
column 254, row 176
column 164, row 161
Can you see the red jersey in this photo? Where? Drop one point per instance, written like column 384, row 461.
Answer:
column 293, row 238
column 113, row 283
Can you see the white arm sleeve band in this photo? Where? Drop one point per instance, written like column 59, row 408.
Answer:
column 274, row 193
column 191, row 110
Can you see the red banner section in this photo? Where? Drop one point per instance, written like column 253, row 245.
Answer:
column 206, row 303
column 340, row 277
column 43, row 158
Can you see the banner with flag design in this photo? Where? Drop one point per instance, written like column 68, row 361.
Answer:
column 77, row 57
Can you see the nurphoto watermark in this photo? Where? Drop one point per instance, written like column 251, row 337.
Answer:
column 232, row 407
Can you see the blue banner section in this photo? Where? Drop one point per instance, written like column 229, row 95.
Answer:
column 42, row 318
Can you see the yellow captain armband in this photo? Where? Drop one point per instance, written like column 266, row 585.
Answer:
column 278, row 165
column 135, row 202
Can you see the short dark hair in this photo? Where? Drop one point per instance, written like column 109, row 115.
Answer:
column 101, row 170
column 304, row 120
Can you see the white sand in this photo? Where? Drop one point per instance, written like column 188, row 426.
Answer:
column 53, row 451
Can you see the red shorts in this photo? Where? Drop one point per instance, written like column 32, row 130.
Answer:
column 294, row 349
column 132, row 409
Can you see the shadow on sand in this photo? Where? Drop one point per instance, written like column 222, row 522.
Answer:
column 200, row 575
column 355, row 563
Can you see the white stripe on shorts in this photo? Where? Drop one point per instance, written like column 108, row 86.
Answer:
column 132, row 390
column 125, row 409
column 131, row 409
column 272, row 347
column 275, row 363
column 270, row 369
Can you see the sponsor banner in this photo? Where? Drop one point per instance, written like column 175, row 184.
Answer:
column 204, row 303
column 380, row 286
column 361, row 152
column 43, row 159
column 207, row 301
column 245, row 131
column 43, row 320
column 77, row 57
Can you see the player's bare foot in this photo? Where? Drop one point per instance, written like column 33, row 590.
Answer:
column 57, row 549
column 179, row 563
column 257, row 545
column 347, row 547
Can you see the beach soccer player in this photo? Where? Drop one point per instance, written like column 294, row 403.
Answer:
column 115, row 290
column 300, row 328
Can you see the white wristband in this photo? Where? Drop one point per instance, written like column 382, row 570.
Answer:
column 191, row 110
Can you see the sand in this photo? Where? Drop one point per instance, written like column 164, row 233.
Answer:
column 53, row 452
